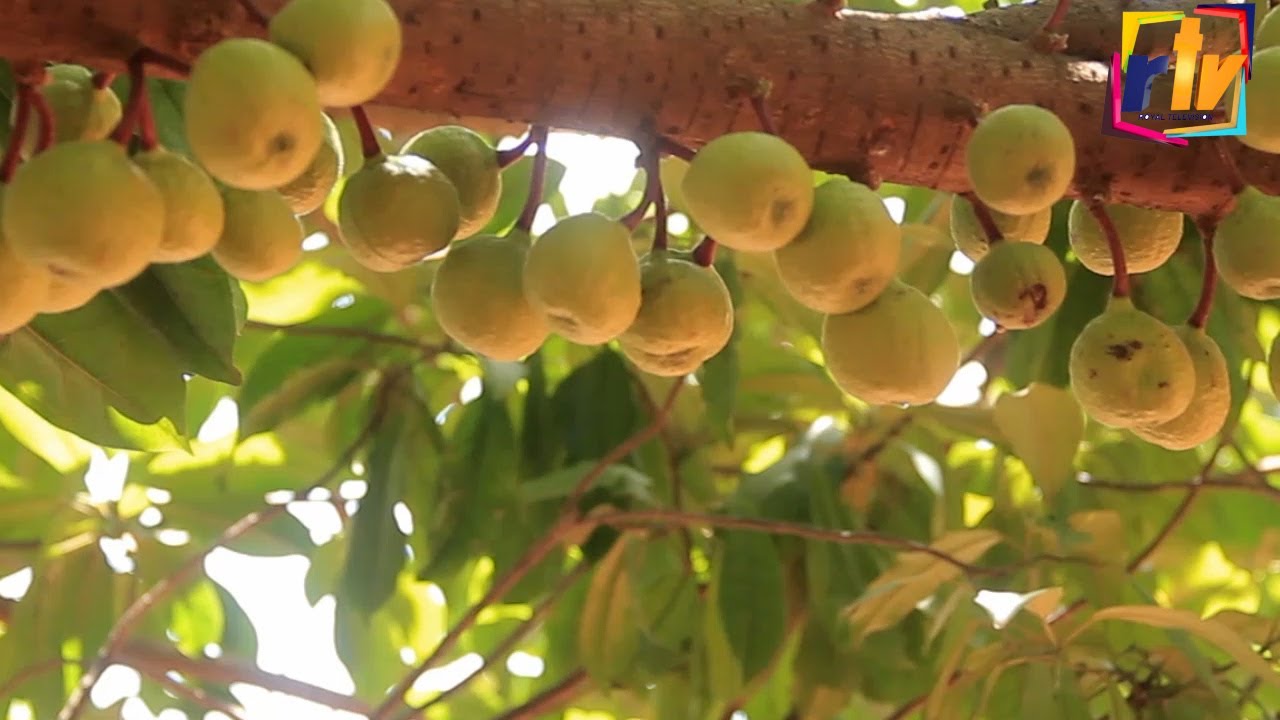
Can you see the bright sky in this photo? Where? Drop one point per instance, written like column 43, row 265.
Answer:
column 295, row 638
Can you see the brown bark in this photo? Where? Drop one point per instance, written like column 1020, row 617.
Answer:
column 864, row 92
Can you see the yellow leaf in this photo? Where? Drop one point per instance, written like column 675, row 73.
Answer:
column 1045, row 425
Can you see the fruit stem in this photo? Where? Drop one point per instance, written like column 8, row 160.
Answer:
column 705, row 253
column 1234, row 176
column 102, row 79
column 652, row 190
column 136, row 104
column 762, row 112
column 21, row 119
column 508, row 157
column 44, row 140
column 147, row 136
column 985, row 219
column 1200, row 316
column 168, row 62
column 536, row 180
column 675, row 149
column 368, row 138
column 257, row 16
column 659, row 219
column 1120, row 283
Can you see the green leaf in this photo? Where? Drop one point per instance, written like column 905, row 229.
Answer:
column 1045, row 426
column 196, row 618
column 608, row 636
column 299, row 391
column 837, row 574
column 539, row 440
column 719, row 375
column 369, row 645
column 515, row 188
column 751, row 599
column 597, row 407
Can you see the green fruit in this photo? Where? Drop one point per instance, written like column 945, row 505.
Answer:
column 672, row 170
column 352, row 47
column 308, row 191
column 685, row 317
column 479, row 299
column 1262, row 115
column 80, row 111
column 471, row 163
column 83, row 208
column 1210, row 401
column 900, row 349
column 352, row 150
column 847, row 253
column 1149, row 237
column 251, row 114
column 1273, row 366
column 751, row 191
column 1020, row 159
column 65, row 294
column 397, row 210
column 261, row 237
column 1018, row 285
column 1128, row 369
column 193, row 213
column 583, row 276
column 972, row 240
column 24, row 288
column 1247, row 245
column 1268, row 35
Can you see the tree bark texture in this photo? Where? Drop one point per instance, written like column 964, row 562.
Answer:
column 874, row 96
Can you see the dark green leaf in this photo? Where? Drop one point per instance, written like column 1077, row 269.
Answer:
column 752, row 600
column 719, row 375
column 596, row 407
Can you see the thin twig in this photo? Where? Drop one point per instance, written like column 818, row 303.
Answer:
column 652, row 190
column 675, row 149
column 161, row 60
column 258, row 17
column 147, row 136
column 760, row 105
column 194, row 694
column 1047, row 39
column 369, row 145
column 1120, row 283
column 134, row 106
column 347, row 332
column 551, row 699
column 508, row 157
column 536, row 181
column 1200, row 315
column 18, row 133
column 1180, row 512
column 29, row 673
column 1231, row 484
column 44, row 114
column 985, row 219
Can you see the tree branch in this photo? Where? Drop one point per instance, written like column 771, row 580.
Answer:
column 347, row 332
column 1180, row 512
column 194, row 694
column 603, row 66
column 550, row 699
column 1237, row 483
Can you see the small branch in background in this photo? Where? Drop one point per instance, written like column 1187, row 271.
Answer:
column 1200, row 315
column 1048, row 39
column 508, row 157
column 1234, row 175
column 536, row 182
column 648, row 162
column 44, row 114
column 348, row 332
column 1120, row 282
column 759, row 104
column 551, row 699
column 258, row 17
column 1236, row 484
column 103, row 80
column 675, row 149
column 1179, row 513
column 659, row 220
column 369, row 146
column 161, row 60
column 137, row 103
column 29, row 673
column 194, row 694
column 985, row 219
column 705, row 253
column 21, row 121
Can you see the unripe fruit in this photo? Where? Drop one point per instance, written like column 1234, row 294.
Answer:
column 307, row 192
column 251, row 113
column 261, row 237
column 1020, row 159
column 583, row 276
column 479, row 300
column 846, row 254
column 397, row 210
column 1273, row 366
column 351, row 47
column 1247, row 245
column 1210, row 401
column 685, row 317
column 1129, row 369
column 24, row 288
column 1262, row 115
column 672, row 170
column 1149, row 237
column 900, row 349
column 193, row 213
column 85, row 209
column 80, row 111
column 65, row 294
column 471, row 163
column 972, row 240
column 1018, row 285
column 751, row 191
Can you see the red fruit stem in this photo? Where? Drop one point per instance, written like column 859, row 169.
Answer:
column 102, row 79
column 22, row 118
column 368, row 138
column 508, row 157
column 136, row 104
column 44, row 140
column 762, row 112
column 1200, row 316
column 536, row 181
column 257, row 16
column 1059, row 14
column 1120, row 284
column 705, row 253
column 675, row 149
column 652, row 190
column 160, row 60
column 660, row 220
column 983, row 213
column 1234, row 175
column 147, row 135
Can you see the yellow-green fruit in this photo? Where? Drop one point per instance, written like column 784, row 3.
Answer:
column 1018, row 285
column 1268, row 35
column 308, row 191
column 65, row 294
column 685, row 318
column 1262, row 116
column 352, row 151
column 751, row 191
column 846, row 254
column 1128, row 369
column 900, row 349
column 471, row 163
column 1020, row 159
column 352, row 47
column 83, row 208
column 1273, row 366
column 583, row 276
column 672, row 171
column 397, row 210
column 1210, row 401
column 919, row 240
column 251, row 113
column 193, row 213
column 23, row 288
column 972, row 240
column 80, row 111
column 479, row 299
column 1247, row 245
column 261, row 237
column 1149, row 237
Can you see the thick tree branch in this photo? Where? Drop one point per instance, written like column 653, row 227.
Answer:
column 608, row 66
